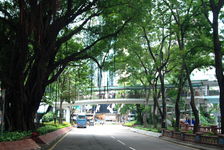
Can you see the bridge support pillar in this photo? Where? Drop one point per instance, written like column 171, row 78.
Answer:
column 67, row 115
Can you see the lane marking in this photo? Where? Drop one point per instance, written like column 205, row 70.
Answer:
column 132, row 148
column 52, row 147
column 121, row 142
column 113, row 137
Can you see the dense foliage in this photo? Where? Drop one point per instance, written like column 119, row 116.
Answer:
column 40, row 39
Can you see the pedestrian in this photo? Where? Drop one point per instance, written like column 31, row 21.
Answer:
column 192, row 121
column 187, row 121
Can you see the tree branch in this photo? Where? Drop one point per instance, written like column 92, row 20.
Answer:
column 55, row 76
column 220, row 4
column 78, row 29
column 63, row 21
column 96, row 61
column 205, row 12
column 148, row 44
column 145, row 68
column 171, row 9
column 83, row 53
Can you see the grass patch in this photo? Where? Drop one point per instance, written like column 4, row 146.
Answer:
column 130, row 124
column 170, row 128
column 46, row 128
column 147, row 129
column 134, row 125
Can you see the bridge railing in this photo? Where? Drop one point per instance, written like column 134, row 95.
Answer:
column 111, row 96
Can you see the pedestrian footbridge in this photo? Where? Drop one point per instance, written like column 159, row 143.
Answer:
column 112, row 101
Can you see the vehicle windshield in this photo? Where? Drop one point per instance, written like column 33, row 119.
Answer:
column 81, row 117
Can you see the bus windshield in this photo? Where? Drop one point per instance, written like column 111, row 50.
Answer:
column 81, row 117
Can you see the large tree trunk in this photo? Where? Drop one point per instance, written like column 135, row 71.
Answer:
column 23, row 94
column 21, row 108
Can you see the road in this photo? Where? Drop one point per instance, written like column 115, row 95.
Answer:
column 111, row 137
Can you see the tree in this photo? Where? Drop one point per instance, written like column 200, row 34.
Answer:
column 183, row 12
column 215, row 8
column 144, row 63
column 38, row 29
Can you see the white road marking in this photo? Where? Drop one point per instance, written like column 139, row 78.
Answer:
column 113, row 137
column 132, row 148
column 121, row 142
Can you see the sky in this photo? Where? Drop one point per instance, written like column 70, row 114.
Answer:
column 203, row 74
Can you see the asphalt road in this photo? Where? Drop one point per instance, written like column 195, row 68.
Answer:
column 111, row 137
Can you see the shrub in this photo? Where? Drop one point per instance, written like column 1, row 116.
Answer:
column 147, row 129
column 130, row 124
column 190, row 131
column 50, row 127
column 46, row 128
column 209, row 134
column 12, row 136
column 48, row 117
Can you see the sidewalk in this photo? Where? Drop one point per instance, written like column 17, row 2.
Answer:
column 176, row 141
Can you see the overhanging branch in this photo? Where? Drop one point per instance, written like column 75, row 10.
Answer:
column 78, row 29
column 83, row 54
column 56, row 75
